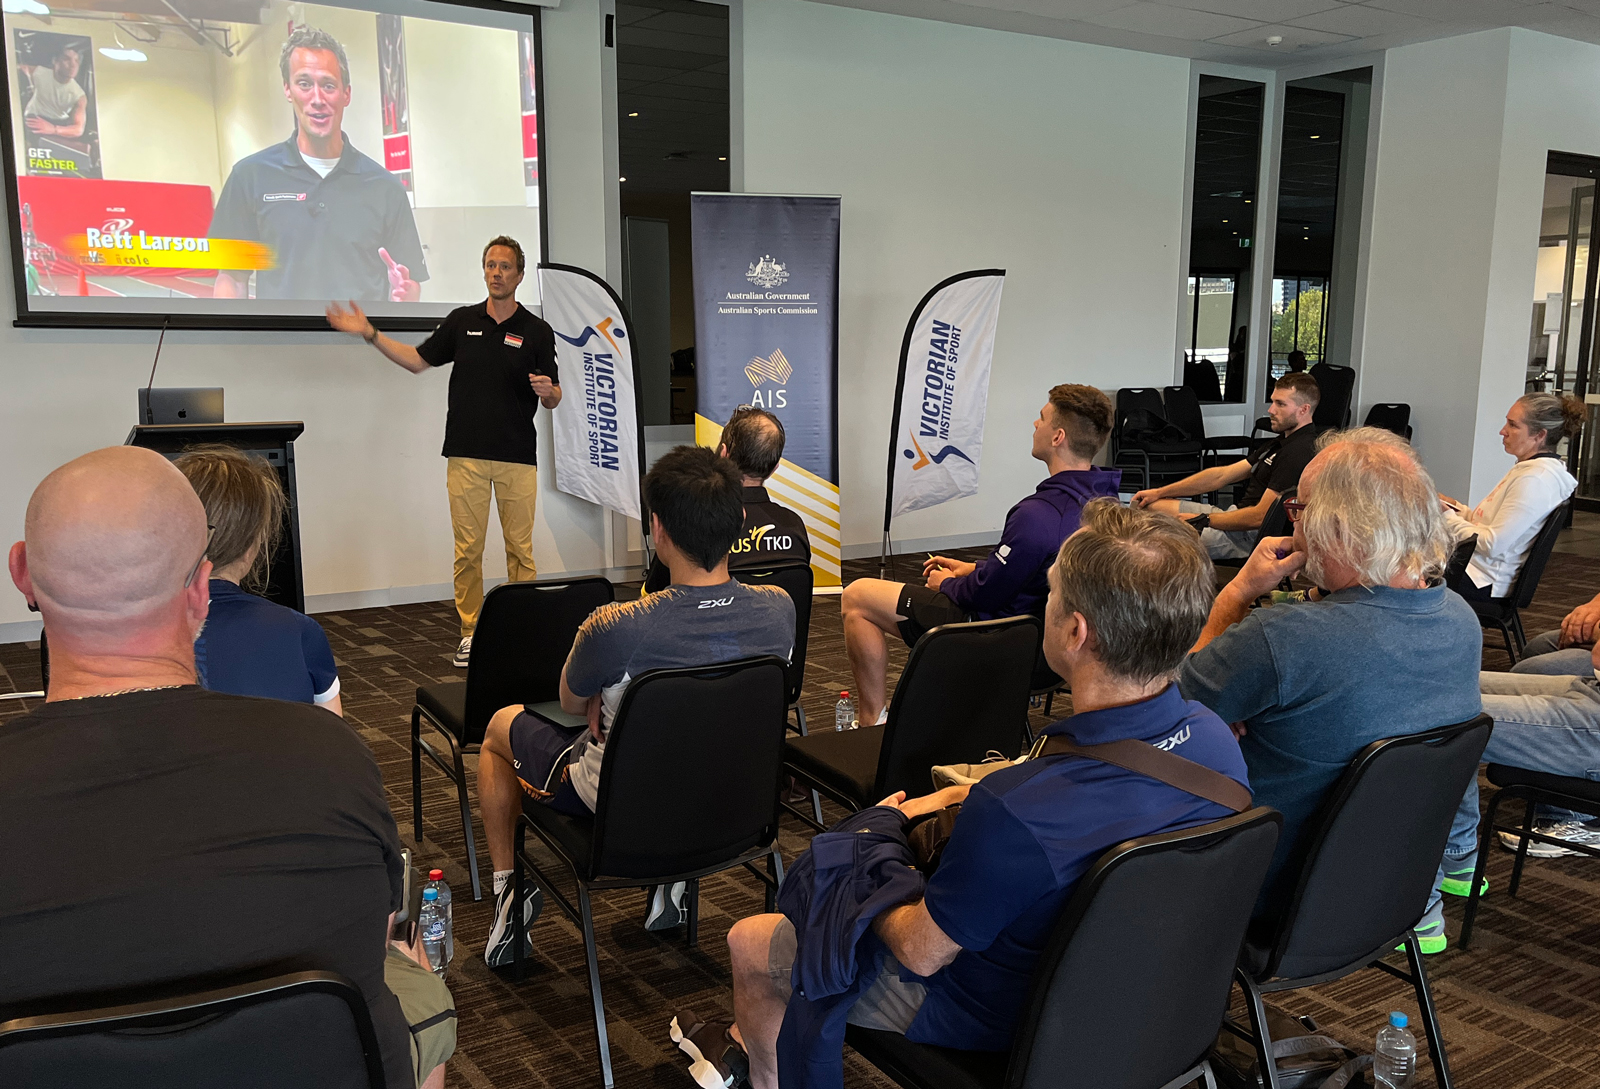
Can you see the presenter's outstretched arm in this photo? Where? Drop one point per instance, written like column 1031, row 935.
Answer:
column 354, row 322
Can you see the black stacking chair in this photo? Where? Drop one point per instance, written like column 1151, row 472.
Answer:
column 795, row 580
column 1366, row 878
column 964, row 691
column 1116, row 1002
column 275, row 1032
column 1536, row 788
column 1456, row 569
column 1183, row 409
column 524, row 632
column 1336, row 385
column 1504, row 613
column 1131, row 457
column 1394, row 417
column 1275, row 523
column 688, row 787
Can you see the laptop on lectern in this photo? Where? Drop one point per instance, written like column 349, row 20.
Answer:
column 180, row 405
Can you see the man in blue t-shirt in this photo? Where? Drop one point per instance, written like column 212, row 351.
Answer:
column 696, row 505
column 1128, row 594
column 1381, row 649
column 1070, row 430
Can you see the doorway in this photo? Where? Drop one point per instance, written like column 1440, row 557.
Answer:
column 1561, row 333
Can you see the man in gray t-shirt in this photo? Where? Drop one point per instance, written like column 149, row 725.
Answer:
column 1383, row 649
column 703, row 617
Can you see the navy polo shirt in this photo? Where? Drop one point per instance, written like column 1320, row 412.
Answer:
column 255, row 647
column 492, row 404
column 1024, row 838
column 324, row 232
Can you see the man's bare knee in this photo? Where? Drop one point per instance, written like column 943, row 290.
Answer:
column 497, row 736
column 749, row 941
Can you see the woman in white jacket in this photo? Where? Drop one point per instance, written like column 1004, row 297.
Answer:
column 1511, row 515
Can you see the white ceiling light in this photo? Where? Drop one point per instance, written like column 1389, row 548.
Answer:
column 23, row 7
column 121, row 52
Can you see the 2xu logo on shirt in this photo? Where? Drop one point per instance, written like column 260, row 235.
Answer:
column 715, row 602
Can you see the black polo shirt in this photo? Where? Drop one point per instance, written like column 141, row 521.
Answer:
column 325, row 232
column 1279, row 463
column 491, row 403
column 773, row 535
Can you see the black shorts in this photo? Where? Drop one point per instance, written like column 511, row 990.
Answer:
column 923, row 609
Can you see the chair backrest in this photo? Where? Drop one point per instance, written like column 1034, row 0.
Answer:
column 305, row 1028
column 1456, row 569
column 1182, row 406
column 691, row 772
column 795, row 580
column 1528, row 575
column 1394, row 417
column 1134, row 983
column 1201, row 376
column 1379, row 836
column 1130, row 400
column 963, row 692
column 524, row 632
column 1336, row 385
column 1275, row 523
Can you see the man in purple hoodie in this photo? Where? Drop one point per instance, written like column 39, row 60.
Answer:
column 1071, row 428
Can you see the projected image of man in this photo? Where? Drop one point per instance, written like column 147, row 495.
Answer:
column 59, row 106
column 338, row 223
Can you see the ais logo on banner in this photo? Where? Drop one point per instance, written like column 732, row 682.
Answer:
column 773, row 369
column 596, row 428
column 944, row 392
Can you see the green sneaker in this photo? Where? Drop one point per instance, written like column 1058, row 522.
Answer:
column 1462, row 886
column 1430, row 942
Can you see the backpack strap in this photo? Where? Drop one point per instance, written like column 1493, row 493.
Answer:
column 1145, row 759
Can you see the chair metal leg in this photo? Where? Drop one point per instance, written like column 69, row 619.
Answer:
column 518, row 891
column 416, row 775
column 775, row 869
column 816, row 808
column 466, row 824
column 1516, row 627
column 800, row 718
column 1505, row 633
column 1522, row 851
column 1430, row 1016
column 592, row 959
column 693, row 896
column 1262, row 1040
column 1485, row 839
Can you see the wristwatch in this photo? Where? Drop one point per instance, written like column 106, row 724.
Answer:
column 372, row 337
column 1200, row 521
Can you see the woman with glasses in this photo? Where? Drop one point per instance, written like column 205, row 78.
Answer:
column 251, row 646
column 1509, row 518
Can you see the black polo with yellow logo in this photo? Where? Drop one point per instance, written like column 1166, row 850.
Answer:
column 773, row 536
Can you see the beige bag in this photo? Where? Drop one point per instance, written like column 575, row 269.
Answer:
column 947, row 775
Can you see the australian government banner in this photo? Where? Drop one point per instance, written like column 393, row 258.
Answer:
column 598, row 447
column 942, row 393
column 766, row 284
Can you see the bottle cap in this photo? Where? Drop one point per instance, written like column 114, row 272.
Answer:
column 844, row 695
column 429, row 895
column 435, row 875
column 1398, row 1019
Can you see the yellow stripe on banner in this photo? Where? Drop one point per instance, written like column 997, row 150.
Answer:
column 818, row 535
column 798, row 485
column 825, row 514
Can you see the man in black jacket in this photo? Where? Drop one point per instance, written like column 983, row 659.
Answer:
column 773, row 534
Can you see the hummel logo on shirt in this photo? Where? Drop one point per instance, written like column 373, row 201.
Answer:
column 474, row 332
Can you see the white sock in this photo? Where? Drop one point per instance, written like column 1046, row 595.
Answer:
column 502, row 878
column 883, row 718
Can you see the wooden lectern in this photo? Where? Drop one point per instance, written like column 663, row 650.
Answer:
column 273, row 441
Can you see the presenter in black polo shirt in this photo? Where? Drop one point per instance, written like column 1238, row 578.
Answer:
column 505, row 369
column 338, row 223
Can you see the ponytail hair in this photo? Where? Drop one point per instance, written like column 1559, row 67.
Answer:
column 1556, row 415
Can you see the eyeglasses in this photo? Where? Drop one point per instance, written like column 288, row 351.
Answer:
column 211, row 531
column 1294, row 508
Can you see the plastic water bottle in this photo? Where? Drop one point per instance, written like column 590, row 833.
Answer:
column 844, row 713
column 436, row 881
column 434, row 931
column 1394, row 1060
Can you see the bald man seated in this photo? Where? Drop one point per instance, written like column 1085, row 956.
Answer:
column 160, row 834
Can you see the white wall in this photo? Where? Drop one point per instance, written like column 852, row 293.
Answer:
column 957, row 148
column 374, row 522
column 1466, row 125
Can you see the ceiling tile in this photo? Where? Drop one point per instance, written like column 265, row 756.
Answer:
column 1050, row 9
column 1294, row 37
column 1170, row 22
column 1259, row 11
column 1464, row 13
column 1360, row 21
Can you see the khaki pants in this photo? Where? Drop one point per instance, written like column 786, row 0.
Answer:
column 516, row 489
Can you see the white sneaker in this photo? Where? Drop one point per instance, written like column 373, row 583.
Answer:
column 463, row 652
column 1571, row 831
column 666, row 907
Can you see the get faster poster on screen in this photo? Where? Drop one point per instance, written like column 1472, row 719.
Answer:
column 766, row 283
column 55, row 83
